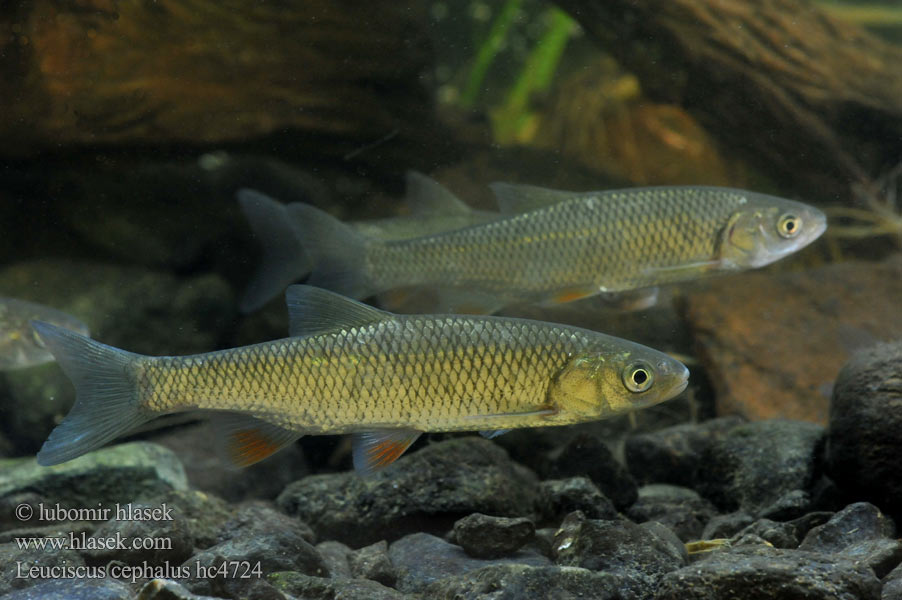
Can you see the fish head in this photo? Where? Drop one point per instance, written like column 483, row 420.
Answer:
column 598, row 385
column 765, row 228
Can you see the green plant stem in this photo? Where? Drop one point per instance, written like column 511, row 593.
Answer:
column 487, row 52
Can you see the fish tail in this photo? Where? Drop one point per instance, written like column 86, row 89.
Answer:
column 284, row 260
column 338, row 252
column 106, row 396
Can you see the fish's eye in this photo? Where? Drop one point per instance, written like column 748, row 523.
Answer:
column 638, row 377
column 788, row 225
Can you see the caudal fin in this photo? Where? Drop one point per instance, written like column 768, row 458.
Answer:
column 338, row 252
column 106, row 397
column 284, row 260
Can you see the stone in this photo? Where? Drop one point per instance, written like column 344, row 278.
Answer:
column 133, row 308
column 861, row 532
column 741, row 325
column 482, row 536
column 117, row 474
column 673, row 455
column 16, row 566
column 726, row 526
column 74, row 589
column 681, row 509
column 563, row 496
column 863, row 442
column 422, row 559
column 759, row 572
column 516, row 582
column 638, row 555
column 167, row 589
column 786, row 534
column 203, row 515
column 586, row 455
column 373, row 562
column 892, row 585
column 426, row 490
column 335, row 557
column 308, row 587
column 765, row 468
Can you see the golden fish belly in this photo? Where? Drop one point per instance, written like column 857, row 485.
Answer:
column 359, row 380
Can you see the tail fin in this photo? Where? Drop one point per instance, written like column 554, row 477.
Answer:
column 338, row 252
column 106, row 398
column 284, row 260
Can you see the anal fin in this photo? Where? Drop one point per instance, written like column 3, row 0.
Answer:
column 249, row 440
column 374, row 450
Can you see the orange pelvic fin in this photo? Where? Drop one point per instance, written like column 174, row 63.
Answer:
column 374, row 450
column 249, row 440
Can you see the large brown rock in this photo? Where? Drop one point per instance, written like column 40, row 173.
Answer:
column 774, row 343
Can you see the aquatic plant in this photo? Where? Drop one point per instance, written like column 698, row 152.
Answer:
column 879, row 212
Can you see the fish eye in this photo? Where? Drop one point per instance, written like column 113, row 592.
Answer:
column 788, row 225
column 638, row 377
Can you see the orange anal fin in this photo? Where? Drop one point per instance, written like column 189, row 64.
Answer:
column 374, row 450
column 571, row 294
column 249, row 440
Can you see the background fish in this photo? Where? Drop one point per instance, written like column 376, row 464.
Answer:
column 433, row 209
column 20, row 346
column 557, row 246
column 355, row 369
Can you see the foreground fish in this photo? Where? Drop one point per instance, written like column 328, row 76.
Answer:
column 20, row 346
column 355, row 369
column 560, row 246
column 433, row 209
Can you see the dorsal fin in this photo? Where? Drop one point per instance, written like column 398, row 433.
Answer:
column 518, row 198
column 426, row 196
column 313, row 310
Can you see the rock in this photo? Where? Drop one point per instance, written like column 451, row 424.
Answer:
column 421, row 559
column 726, row 526
column 588, row 456
column 167, row 589
column 860, row 532
column 335, row 556
column 767, row 468
column 515, row 582
column 136, row 309
column 892, row 585
column 165, row 540
column 680, row 509
column 118, row 474
column 307, row 587
column 204, row 516
column 32, row 566
column 482, row 536
column 563, row 496
column 373, row 562
column 209, row 470
column 673, row 454
column 863, row 442
column 763, row 573
column 74, row 589
column 638, row 555
column 787, row 534
column 263, row 539
column 758, row 371
column 425, row 491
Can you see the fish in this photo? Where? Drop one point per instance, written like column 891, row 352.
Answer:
column 433, row 208
column 351, row 368
column 553, row 246
column 20, row 346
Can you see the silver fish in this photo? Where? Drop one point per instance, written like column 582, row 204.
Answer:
column 20, row 346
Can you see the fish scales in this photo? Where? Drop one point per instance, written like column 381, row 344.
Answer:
column 622, row 241
column 386, row 374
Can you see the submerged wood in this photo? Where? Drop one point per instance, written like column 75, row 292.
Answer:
column 203, row 71
column 814, row 101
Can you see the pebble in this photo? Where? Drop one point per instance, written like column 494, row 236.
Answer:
column 373, row 562
column 681, row 509
column 484, row 536
column 586, row 455
column 563, row 496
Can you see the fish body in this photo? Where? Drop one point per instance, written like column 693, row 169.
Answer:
column 20, row 346
column 432, row 207
column 559, row 246
column 351, row 368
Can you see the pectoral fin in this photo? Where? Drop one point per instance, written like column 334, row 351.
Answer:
column 374, row 450
column 492, row 433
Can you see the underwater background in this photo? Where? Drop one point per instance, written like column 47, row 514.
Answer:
column 127, row 128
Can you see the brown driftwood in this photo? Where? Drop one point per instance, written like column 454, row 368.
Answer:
column 815, row 102
column 209, row 71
